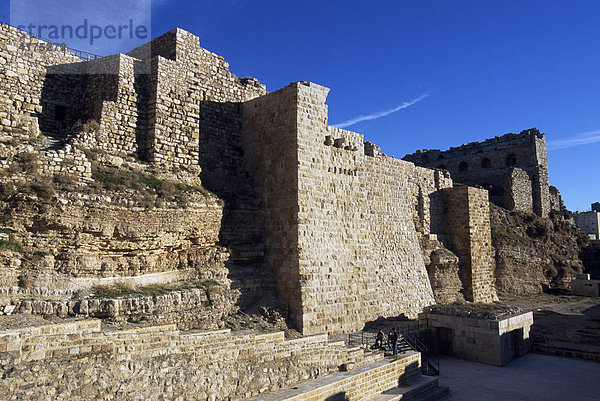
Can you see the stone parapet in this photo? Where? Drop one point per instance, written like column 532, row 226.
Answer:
column 359, row 384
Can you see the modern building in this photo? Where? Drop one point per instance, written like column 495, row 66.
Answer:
column 589, row 221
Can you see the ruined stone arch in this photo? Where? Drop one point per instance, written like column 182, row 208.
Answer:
column 463, row 167
column 486, row 163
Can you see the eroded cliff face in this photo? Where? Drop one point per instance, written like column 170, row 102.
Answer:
column 75, row 237
column 533, row 253
column 108, row 236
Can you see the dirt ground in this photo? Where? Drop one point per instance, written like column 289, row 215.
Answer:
column 554, row 315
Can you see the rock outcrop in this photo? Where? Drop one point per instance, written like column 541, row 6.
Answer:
column 534, row 253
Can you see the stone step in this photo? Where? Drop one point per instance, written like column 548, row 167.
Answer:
column 417, row 388
column 568, row 350
column 360, row 383
column 433, row 394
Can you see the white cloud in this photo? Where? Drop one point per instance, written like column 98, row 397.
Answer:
column 380, row 114
column 585, row 138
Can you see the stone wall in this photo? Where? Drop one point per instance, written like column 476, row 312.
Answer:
column 115, row 97
column 79, row 360
column 147, row 102
column 270, row 140
column 556, row 201
column 185, row 80
column 517, row 191
column 494, row 342
column 32, row 85
column 197, row 308
column 468, row 222
column 490, row 164
column 340, row 230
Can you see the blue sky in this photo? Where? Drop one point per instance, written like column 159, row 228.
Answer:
column 482, row 68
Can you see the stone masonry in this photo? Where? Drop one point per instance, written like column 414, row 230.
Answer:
column 470, row 235
column 513, row 167
column 341, row 226
column 490, row 341
column 81, row 359
column 341, row 233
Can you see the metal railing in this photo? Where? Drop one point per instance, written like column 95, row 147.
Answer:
column 367, row 338
column 82, row 55
column 430, row 365
column 407, row 334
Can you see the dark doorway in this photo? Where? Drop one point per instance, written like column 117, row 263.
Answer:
column 60, row 112
column 445, row 339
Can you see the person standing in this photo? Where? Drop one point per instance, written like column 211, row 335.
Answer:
column 393, row 340
column 379, row 339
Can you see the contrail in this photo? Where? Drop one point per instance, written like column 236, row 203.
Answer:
column 373, row 116
column 576, row 140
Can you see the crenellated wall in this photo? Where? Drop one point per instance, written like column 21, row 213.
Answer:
column 490, row 164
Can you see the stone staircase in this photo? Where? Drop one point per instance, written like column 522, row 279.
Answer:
column 422, row 388
column 376, row 381
column 568, row 350
column 338, row 371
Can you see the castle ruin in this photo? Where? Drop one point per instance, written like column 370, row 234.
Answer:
column 309, row 212
column 342, row 224
column 513, row 167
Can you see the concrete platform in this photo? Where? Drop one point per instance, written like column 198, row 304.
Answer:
column 531, row 377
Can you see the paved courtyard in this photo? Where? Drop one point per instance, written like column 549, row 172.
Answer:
column 532, row 377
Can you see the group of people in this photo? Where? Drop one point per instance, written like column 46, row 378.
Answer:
column 392, row 340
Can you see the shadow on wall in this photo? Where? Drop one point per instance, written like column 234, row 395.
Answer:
column 593, row 312
column 444, row 341
column 412, row 367
column 513, row 344
column 400, row 322
column 71, row 96
column 141, row 87
column 62, row 100
column 337, row 397
column 221, row 157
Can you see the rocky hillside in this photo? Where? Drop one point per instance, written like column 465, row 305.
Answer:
column 81, row 226
column 534, row 253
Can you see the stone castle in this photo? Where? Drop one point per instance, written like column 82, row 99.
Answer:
column 312, row 213
column 514, row 168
